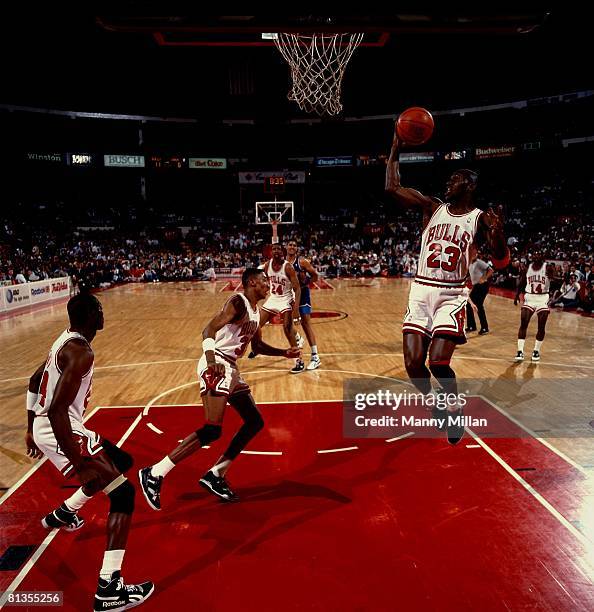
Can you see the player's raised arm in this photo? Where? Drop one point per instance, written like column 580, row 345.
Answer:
column 404, row 195
column 75, row 360
column 233, row 310
column 290, row 271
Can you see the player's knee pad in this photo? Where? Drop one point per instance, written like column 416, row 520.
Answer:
column 120, row 458
column 122, row 497
column 209, row 433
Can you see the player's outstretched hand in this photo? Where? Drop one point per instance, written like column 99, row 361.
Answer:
column 495, row 218
column 293, row 353
column 32, row 450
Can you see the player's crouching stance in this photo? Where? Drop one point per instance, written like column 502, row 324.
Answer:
column 58, row 394
column 225, row 339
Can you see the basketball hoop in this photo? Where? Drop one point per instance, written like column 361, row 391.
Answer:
column 317, row 63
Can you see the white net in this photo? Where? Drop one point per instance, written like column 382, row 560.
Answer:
column 317, row 63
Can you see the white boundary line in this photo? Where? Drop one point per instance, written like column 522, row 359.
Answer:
column 399, row 354
column 337, row 450
column 166, row 392
column 23, row 478
column 552, row 448
column 48, row 539
column 273, row 453
column 406, row 435
column 155, row 429
column 584, row 540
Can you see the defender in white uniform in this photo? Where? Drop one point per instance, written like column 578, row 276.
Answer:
column 535, row 281
column 284, row 299
column 282, row 295
column 231, row 342
column 225, row 340
column 43, row 434
column 434, row 321
column 58, row 395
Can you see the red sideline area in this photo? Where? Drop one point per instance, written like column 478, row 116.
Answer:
column 413, row 524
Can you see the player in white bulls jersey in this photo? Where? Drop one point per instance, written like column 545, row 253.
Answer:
column 535, row 281
column 434, row 321
column 284, row 300
column 226, row 338
column 58, row 395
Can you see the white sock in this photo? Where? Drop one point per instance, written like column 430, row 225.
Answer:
column 163, row 467
column 112, row 562
column 77, row 500
column 521, row 344
column 537, row 345
column 314, row 349
column 220, row 469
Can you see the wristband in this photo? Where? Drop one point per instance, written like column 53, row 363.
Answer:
column 501, row 263
column 208, row 344
column 31, row 400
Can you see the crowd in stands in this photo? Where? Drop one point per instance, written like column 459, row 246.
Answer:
column 339, row 243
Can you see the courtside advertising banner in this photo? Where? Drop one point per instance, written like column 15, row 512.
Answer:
column 16, row 296
column 40, row 291
column 27, row 294
column 60, row 287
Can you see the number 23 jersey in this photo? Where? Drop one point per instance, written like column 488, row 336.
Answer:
column 445, row 247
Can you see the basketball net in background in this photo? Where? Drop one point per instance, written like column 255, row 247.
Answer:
column 317, row 63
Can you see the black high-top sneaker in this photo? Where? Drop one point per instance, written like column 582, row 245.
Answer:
column 114, row 594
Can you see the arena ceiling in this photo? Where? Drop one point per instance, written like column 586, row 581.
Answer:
column 169, row 63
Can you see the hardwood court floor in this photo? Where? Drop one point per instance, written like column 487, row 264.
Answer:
column 325, row 522
column 152, row 340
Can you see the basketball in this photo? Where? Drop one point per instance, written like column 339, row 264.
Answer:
column 415, row 125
